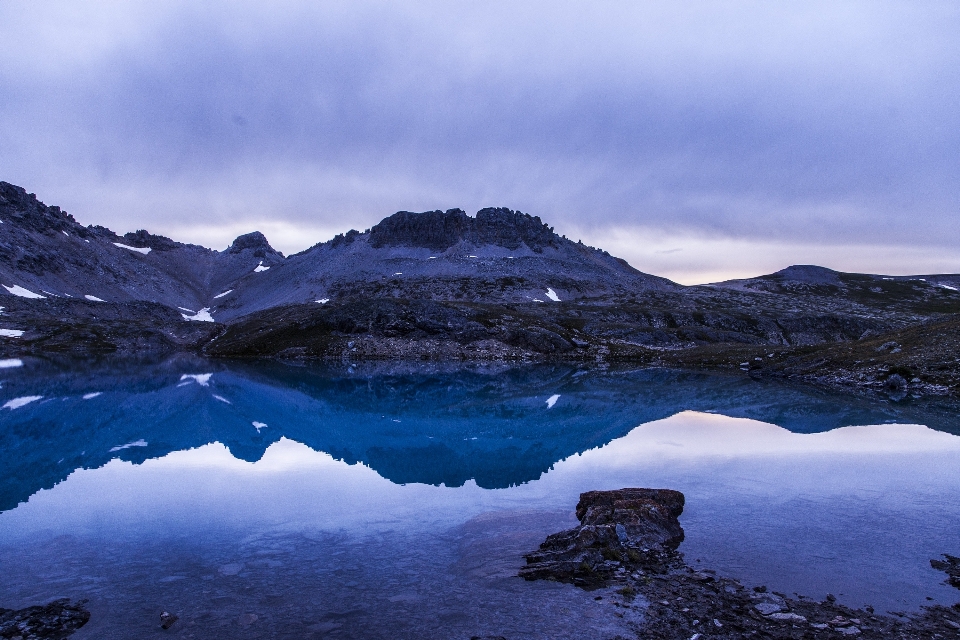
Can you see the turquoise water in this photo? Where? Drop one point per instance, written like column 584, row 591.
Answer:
column 267, row 500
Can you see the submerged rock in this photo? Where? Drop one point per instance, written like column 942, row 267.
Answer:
column 950, row 566
column 167, row 619
column 55, row 620
column 639, row 527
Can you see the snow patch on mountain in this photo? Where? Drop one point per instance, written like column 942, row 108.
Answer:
column 201, row 316
column 143, row 250
column 16, row 403
column 19, row 291
column 137, row 443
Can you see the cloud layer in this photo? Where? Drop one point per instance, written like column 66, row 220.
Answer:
column 751, row 124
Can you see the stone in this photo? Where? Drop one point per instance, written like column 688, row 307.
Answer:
column 55, row 620
column 767, row 608
column 950, row 566
column 167, row 620
column 895, row 382
column 787, row 617
column 625, row 526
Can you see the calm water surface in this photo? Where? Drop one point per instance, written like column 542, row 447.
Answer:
column 396, row 501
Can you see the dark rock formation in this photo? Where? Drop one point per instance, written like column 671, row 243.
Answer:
column 629, row 537
column 636, row 526
column 506, row 228
column 143, row 238
column 53, row 621
column 24, row 210
column 440, row 230
column 951, row 566
column 168, row 619
column 256, row 242
column 436, row 230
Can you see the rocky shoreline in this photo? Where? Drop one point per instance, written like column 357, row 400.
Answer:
column 628, row 539
column 908, row 363
column 626, row 550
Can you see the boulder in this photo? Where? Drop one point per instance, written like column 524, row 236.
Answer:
column 619, row 530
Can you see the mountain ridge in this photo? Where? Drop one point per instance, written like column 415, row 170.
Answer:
column 438, row 285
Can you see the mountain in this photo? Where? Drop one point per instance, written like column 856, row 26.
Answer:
column 811, row 279
column 437, row 285
column 500, row 255
column 45, row 253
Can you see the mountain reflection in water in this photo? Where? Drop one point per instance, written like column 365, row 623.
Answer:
column 210, row 465
column 497, row 426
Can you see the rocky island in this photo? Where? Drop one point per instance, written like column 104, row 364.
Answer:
column 443, row 285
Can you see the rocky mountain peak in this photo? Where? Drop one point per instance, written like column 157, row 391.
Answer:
column 440, row 230
column 809, row 274
column 255, row 242
column 25, row 210
column 509, row 229
column 143, row 238
column 435, row 230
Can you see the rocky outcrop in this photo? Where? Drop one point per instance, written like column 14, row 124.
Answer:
column 143, row 238
column 628, row 538
column 506, row 228
column 951, row 566
column 435, row 230
column 256, row 242
column 53, row 621
column 440, row 230
column 24, row 210
column 625, row 527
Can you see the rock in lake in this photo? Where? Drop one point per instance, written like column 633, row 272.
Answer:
column 639, row 527
column 53, row 621
column 951, row 566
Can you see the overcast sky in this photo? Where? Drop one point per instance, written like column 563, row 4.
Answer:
column 697, row 140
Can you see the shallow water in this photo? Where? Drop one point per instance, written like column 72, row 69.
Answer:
column 384, row 501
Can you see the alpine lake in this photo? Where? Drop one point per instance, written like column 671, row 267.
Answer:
column 386, row 500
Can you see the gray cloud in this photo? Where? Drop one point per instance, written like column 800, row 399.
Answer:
column 832, row 123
